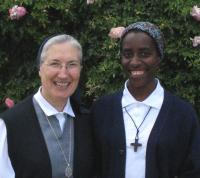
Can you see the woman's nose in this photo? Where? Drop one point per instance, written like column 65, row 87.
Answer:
column 63, row 72
column 135, row 60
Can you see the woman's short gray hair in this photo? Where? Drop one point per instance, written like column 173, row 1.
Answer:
column 57, row 40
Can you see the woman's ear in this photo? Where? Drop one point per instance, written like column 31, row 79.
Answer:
column 39, row 70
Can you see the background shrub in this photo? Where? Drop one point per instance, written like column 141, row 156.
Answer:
column 90, row 24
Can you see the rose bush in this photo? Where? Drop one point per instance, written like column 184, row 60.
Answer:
column 90, row 24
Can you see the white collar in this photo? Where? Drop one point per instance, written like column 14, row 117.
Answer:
column 49, row 109
column 155, row 99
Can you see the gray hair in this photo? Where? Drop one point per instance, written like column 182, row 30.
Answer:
column 57, row 40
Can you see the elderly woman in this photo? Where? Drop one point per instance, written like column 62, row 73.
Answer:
column 143, row 131
column 48, row 134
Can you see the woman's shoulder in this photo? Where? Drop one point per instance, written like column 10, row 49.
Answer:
column 109, row 97
column 178, row 100
column 178, row 104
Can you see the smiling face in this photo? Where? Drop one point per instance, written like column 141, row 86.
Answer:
column 60, row 73
column 140, row 58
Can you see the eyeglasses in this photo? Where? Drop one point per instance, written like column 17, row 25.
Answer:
column 73, row 65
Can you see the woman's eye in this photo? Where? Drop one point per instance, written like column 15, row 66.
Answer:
column 127, row 54
column 145, row 54
column 72, row 64
column 54, row 64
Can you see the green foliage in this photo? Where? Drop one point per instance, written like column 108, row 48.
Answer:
column 90, row 24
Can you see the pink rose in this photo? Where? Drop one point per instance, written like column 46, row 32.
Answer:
column 116, row 32
column 195, row 13
column 195, row 41
column 90, row 1
column 9, row 102
column 17, row 12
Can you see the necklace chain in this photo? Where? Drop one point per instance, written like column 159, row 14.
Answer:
column 137, row 128
column 136, row 144
column 59, row 144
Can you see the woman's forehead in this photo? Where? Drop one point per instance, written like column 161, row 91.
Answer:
column 138, row 39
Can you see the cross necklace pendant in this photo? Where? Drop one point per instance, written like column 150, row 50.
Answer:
column 136, row 144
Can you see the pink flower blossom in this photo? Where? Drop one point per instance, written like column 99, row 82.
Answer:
column 9, row 102
column 116, row 32
column 195, row 41
column 91, row 1
column 195, row 13
column 17, row 12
